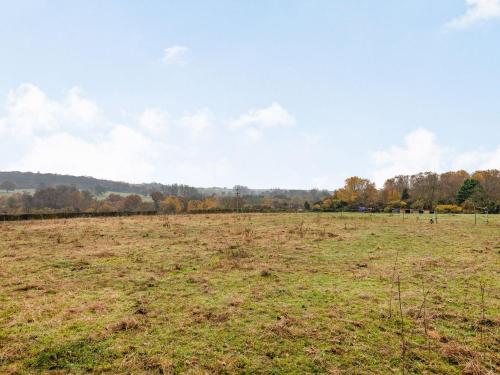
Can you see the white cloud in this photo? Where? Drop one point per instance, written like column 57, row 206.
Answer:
column 69, row 136
column 80, row 109
column 154, row 120
column 273, row 116
column 253, row 133
column 72, row 135
column 321, row 182
column 478, row 160
column 478, row 11
column 210, row 172
column 175, row 55
column 256, row 120
column 421, row 152
column 30, row 111
column 124, row 154
column 197, row 122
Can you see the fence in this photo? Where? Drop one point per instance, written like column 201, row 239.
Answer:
column 73, row 215
column 70, row 215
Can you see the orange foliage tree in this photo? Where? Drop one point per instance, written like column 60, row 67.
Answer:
column 358, row 191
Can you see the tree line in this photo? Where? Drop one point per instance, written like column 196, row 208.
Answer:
column 456, row 191
column 64, row 198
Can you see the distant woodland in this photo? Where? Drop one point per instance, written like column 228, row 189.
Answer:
column 453, row 192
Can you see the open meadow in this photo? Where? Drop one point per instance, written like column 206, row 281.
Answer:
column 251, row 293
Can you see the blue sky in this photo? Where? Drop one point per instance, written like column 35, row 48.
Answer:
column 295, row 94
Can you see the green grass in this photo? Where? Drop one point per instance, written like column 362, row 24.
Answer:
column 144, row 197
column 5, row 193
column 253, row 293
column 79, row 355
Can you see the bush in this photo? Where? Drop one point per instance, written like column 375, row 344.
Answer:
column 394, row 205
column 449, row 208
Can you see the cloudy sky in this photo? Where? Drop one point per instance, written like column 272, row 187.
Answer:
column 262, row 93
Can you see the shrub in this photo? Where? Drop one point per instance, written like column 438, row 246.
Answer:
column 449, row 208
column 395, row 204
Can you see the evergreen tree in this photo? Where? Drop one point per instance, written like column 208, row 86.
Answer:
column 405, row 195
column 468, row 189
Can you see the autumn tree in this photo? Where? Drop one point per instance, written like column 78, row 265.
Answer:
column 391, row 192
column 357, row 191
column 396, row 189
column 172, row 205
column 157, row 197
column 132, row 202
column 490, row 181
column 105, row 206
column 330, row 204
column 210, row 203
column 113, row 202
column 194, row 205
column 86, row 200
column 449, row 184
column 424, row 188
column 60, row 197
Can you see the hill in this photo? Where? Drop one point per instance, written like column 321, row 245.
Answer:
column 30, row 180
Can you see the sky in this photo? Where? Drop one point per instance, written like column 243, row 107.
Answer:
column 290, row 93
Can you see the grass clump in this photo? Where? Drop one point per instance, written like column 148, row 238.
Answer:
column 74, row 356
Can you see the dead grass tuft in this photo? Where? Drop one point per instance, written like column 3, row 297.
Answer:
column 456, row 353
column 283, row 326
column 474, row 367
column 126, row 324
column 201, row 315
column 104, row 254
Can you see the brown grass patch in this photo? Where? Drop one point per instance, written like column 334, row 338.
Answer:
column 126, row 324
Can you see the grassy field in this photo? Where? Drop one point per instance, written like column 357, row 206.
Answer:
column 144, row 197
column 253, row 293
column 4, row 193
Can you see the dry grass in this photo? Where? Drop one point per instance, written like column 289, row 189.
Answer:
column 257, row 293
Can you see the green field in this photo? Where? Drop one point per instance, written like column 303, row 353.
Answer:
column 251, row 293
column 145, row 198
column 20, row 191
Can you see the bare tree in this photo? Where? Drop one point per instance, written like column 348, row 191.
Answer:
column 424, row 187
column 8, row 186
